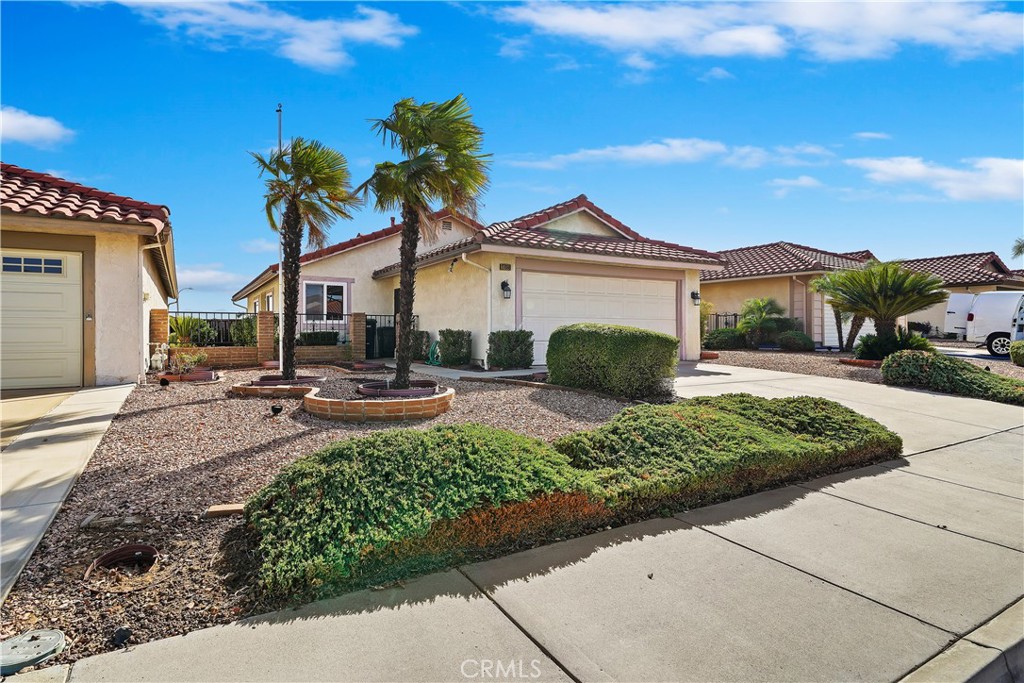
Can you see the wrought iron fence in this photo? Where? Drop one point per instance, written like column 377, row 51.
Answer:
column 718, row 321
column 381, row 335
column 318, row 329
column 213, row 328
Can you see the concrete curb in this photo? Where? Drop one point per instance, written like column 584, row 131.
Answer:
column 992, row 653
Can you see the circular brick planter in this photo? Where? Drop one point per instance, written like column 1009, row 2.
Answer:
column 391, row 410
column 708, row 355
column 861, row 363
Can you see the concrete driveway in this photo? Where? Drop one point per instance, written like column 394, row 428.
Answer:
column 866, row 575
column 19, row 408
column 979, row 353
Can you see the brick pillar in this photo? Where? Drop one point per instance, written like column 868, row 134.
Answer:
column 358, row 336
column 158, row 331
column 266, row 347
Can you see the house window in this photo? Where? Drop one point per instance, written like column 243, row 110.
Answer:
column 270, row 303
column 256, row 305
column 325, row 301
column 33, row 265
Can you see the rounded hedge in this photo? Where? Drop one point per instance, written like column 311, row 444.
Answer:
column 795, row 341
column 1017, row 353
column 613, row 359
column 951, row 376
column 724, row 339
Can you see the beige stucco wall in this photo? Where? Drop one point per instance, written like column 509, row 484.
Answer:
column 153, row 296
column 728, row 296
column 118, row 314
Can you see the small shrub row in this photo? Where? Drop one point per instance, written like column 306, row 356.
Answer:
column 320, row 338
column 243, row 331
column 873, row 347
column 1017, row 353
column 510, row 349
column 455, row 347
column 613, row 359
column 795, row 341
column 950, row 376
column 383, row 507
column 724, row 339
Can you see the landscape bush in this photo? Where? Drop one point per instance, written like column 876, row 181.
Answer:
column 319, row 338
column 707, row 309
column 510, row 349
column 795, row 341
column 243, row 331
column 725, row 338
column 1017, row 353
column 613, row 359
column 923, row 328
column 455, row 347
column 376, row 509
column 420, row 345
column 948, row 375
column 186, row 330
column 872, row 347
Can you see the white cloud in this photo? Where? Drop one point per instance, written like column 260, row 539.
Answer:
column 316, row 43
column 209, row 277
column 825, row 31
column 637, row 61
column 869, row 135
column 716, row 73
column 17, row 125
column 564, row 63
column 260, row 245
column 513, row 48
column 784, row 185
column 664, row 151
column 803, row 154
column 986, row 178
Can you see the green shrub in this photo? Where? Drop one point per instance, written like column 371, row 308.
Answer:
column 243, row 331
column 510, row 349
column 872, row 347
column 1017, row 353
column 319, row 338
column 707, row 309
column 613, row 359
column 795, row 341
column 187, row 330
column 725, row 338
column 370, row 510
column 950, row 376
column 923, row 328
column 183, row 363
column 420, row 345
column 455, row 347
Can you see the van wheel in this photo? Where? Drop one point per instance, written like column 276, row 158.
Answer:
column 999, row 345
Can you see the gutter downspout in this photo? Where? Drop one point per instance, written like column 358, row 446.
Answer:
column 489, row 295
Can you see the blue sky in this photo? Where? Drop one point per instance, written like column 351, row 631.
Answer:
column 897, row 127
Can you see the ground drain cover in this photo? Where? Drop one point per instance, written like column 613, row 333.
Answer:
column 29, row 649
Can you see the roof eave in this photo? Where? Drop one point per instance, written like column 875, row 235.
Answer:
column 257, row 282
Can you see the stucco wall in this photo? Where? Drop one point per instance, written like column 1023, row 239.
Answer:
column 153, row 296
column 728, row 297
column 582, row 222
column 119, row 319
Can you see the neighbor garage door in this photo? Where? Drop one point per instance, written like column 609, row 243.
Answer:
column 41, row 323
column 551, row 300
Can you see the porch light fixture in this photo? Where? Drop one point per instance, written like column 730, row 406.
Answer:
column 696, row 298
column 506, row 290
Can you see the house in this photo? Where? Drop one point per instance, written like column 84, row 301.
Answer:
column 82, row 269
column 963, row 274
column 782, row 271
column 571, row 262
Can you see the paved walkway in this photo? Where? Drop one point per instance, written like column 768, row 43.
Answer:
column 19, row 408
column 42, row 464
column 865, row 575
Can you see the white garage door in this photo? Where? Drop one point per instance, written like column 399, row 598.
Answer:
column 551, row 300
column 41, row 323
column 832, row 334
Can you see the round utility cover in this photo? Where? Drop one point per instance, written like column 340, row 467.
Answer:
column 29, row 649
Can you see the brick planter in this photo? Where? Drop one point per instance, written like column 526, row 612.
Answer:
column 861, row 363
column 391, row 410
column 708, row 355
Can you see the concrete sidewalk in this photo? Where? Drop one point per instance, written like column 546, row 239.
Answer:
column 866, row 575
column 42, row 464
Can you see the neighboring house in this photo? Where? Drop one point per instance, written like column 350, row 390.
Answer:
column 963, row 274
column 82, row 269
column 782, row 271
column 569, row 263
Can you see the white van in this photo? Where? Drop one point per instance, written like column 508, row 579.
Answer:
column 991, row 320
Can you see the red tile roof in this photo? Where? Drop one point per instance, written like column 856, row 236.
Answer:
column 778, row 258
column 862, row 255
column 31, row 193
column 962, row 270
column 565, row 208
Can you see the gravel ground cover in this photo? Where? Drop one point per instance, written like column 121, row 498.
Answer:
column 170, row 454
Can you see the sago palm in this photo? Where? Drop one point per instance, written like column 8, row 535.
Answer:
column 758, row 317
column 442, row 167
column 884, row 292
column 310, row 182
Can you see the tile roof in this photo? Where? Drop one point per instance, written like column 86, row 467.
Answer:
column 862, row 255
column 524, row 232
column 962, row 270
column 31, row 193
column 778, row 258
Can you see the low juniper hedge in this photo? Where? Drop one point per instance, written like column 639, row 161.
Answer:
column 399, row 503
column 948, row 375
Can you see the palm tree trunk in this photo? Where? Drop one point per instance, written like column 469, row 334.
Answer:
column 406, row 294
column 885, row 329
column 291, row 230
column 855, row 324
column 839, row 328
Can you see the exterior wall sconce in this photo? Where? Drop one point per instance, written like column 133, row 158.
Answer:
column 696, row 298
column 506, row 290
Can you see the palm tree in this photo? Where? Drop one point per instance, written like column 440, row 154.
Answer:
column 442, row 166
column 311, row 182
column 757, row 317
column 884, row 292
column 1018, row 247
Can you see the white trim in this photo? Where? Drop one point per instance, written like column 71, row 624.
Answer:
column 347, row 298
column 763, row 277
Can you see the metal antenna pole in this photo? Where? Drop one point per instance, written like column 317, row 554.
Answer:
column 280, row 262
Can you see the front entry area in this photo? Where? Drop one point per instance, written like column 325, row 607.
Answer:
column 550, row 300
column 40, row 319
